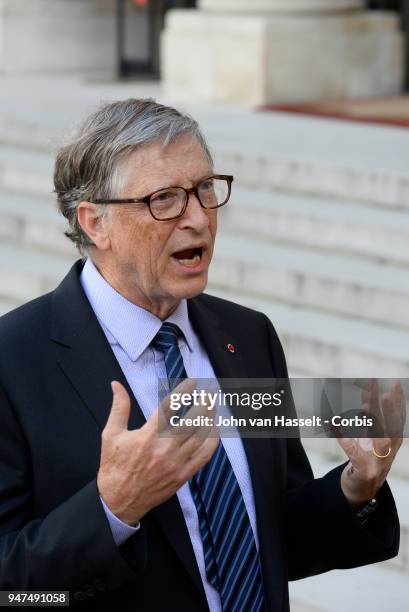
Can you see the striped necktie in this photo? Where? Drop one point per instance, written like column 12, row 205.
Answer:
column 231, row 559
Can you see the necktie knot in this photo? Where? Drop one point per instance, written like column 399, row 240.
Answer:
column 166, row 337
column 166, row 341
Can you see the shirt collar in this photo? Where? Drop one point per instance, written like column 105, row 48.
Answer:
column 133, row 327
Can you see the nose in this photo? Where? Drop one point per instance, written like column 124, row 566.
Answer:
column 195, row 216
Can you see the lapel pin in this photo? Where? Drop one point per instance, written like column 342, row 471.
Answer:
column 231, row 348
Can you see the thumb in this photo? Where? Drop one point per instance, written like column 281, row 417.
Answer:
column 120, row 409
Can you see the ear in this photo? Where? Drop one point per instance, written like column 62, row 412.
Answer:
column 95, row 228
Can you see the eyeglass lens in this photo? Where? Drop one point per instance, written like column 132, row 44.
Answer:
column 169, row 203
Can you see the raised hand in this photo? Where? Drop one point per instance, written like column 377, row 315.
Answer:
column 370, row 459
column 140, row 469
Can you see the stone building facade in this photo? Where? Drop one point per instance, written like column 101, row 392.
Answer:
column 256, row 52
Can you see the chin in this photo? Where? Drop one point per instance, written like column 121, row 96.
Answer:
column 191, row 289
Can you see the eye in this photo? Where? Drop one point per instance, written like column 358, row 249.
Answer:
column 164, row 197
column 207, row 185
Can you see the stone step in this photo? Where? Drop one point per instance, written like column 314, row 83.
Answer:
column 372, row 588
column 33, row 220
column 269, row 150
column 325, row 282
column 58, row 105
column 26, row 274
column 26, row 171
column 38, row 132
column 309, row 155
column 328, row 345
column 319, row 223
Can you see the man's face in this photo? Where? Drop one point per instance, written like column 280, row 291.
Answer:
column 155, row 263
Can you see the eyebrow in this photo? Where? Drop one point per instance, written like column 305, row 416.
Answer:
column 174, row 184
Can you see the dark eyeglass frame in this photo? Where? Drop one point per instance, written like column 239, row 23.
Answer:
column 147, row 199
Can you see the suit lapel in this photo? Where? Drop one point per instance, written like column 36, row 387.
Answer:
column 222, row 349
column 83, row 352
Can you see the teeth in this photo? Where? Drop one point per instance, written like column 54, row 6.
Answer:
column 190, row 262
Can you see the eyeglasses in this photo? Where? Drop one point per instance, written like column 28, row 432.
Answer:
column 171, row 203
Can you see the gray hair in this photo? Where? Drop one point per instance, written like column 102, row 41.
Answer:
column 91, row 165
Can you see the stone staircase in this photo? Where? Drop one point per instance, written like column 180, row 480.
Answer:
column 321, row 237
column 316, row 236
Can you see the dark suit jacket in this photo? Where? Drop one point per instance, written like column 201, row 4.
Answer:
column 55, row 397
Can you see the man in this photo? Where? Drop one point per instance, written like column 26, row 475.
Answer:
column 92, row 499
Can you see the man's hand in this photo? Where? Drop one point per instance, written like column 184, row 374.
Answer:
column 365, row 473
column 139, row 469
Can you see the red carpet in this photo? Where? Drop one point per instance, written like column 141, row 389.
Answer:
column 387, row 111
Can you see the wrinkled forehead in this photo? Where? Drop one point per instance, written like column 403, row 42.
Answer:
column 182, row 162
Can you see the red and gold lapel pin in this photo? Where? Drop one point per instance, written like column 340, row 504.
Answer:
column 230, row 347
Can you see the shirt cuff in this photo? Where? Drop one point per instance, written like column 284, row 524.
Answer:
column 120, row 531
column 365, row 513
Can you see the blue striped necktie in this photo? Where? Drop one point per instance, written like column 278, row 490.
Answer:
column 231, row 559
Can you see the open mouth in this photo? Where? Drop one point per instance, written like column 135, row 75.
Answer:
column 189, row 257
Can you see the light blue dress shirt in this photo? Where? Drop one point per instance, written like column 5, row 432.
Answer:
column 130, row 330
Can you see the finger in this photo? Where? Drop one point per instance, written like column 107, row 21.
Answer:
column 169, row 406
column 202, row 456
column 350, row 447
column 193, row 443
column 400, row 392
column 159, row 422
column 196, row 420
column 371, row 403
column 361, row 451
column 120, row 409
column 394, row 410
column 367, row 390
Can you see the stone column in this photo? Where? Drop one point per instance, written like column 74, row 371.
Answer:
column 56, row 36
column 278, row 51
column 61, row 36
